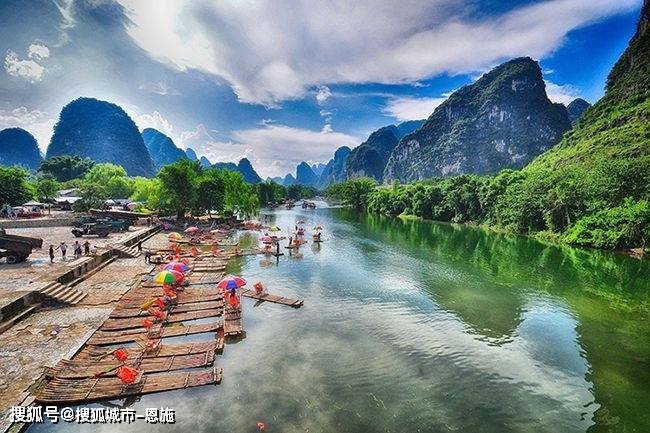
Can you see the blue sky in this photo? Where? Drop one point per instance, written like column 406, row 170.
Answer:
column 284, row 81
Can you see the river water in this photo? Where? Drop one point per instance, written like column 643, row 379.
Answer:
column 422, row 327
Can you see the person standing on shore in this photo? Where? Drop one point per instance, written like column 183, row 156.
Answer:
column 86, row 247
column 63, row 247
column 51, row 253
column 77, row 249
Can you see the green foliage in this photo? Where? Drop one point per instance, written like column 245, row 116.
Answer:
column 147, row 191
column 47, row 189
column 240, row 197
column 617, row 227
column 93, row 195
column 16, row 188
column 270, row 192
column 64, row 168
column 353, row 192
column 212, row 187
column 299, row 192
column 111, row 178
column 185, row 186
column 179, row 186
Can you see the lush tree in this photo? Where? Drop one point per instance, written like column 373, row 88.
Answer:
column 179, row 181
column 112, row 178
column 240, row 198
column 353, row 192
column 16, row 188
column 270, row 192
column 212, row 190
column 47, row 189
column 65, row 167
column 618, row 227
column 147, row 191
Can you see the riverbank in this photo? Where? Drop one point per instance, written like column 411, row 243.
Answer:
column 545, row 237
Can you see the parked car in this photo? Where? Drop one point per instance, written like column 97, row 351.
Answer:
column 101, row 230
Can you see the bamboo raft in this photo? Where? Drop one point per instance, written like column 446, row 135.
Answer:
column 182, row 308
column 73, row 391
column 267, row 297
column 186, row 296
column 136, row 322
column 107, row 338
column 82, row 369
column 232, row 325
column 91, row 374
column 90, row 352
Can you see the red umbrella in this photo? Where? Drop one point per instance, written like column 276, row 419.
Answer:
column 231, row 282
column 266, row 239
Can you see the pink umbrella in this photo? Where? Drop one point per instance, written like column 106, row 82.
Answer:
column 192, row 229
column 231, row 282
column 266, row 239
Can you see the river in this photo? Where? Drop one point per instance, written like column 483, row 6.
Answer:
column 413, row 326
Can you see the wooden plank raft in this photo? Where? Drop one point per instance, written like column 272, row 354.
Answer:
column 185, row 296
column 232, row 325
column 182, row 308
column 81, row 369
column 267, row 297
column 92, row 353
column 72, row 391
column 104, row 338
column 136, row 322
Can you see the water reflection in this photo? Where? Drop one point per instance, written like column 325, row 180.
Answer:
column 411, row 326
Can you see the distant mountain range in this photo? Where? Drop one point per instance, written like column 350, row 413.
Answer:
column 162, row 149
column 19, row 147
column 503, row 120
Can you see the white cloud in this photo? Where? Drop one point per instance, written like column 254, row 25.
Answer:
column 159, row 88
column 23, row 68
column 273, row 149
column 277, row 149
column 269, row 55
column 38, row 52
column 198, row 138
column 35, row 122
column 322, row 94
column 404, row 109
column 154, row 120
column 561, row 93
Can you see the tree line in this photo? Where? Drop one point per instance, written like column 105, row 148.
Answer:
column 570, row 209
column 178, row 188
column 181, row 187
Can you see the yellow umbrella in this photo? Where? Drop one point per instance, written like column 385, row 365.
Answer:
column 174, row 236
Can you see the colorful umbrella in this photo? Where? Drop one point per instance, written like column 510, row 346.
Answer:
column 231, row 282
column 176, row 266
column 275, row 229
column 266, row 239
column 318, row 227
column 168, row 277
column 174, row 236
column 192, row 229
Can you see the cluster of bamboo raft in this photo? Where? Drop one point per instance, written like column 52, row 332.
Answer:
column 89, row 375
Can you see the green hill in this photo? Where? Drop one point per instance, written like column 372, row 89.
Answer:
column 595, row 184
